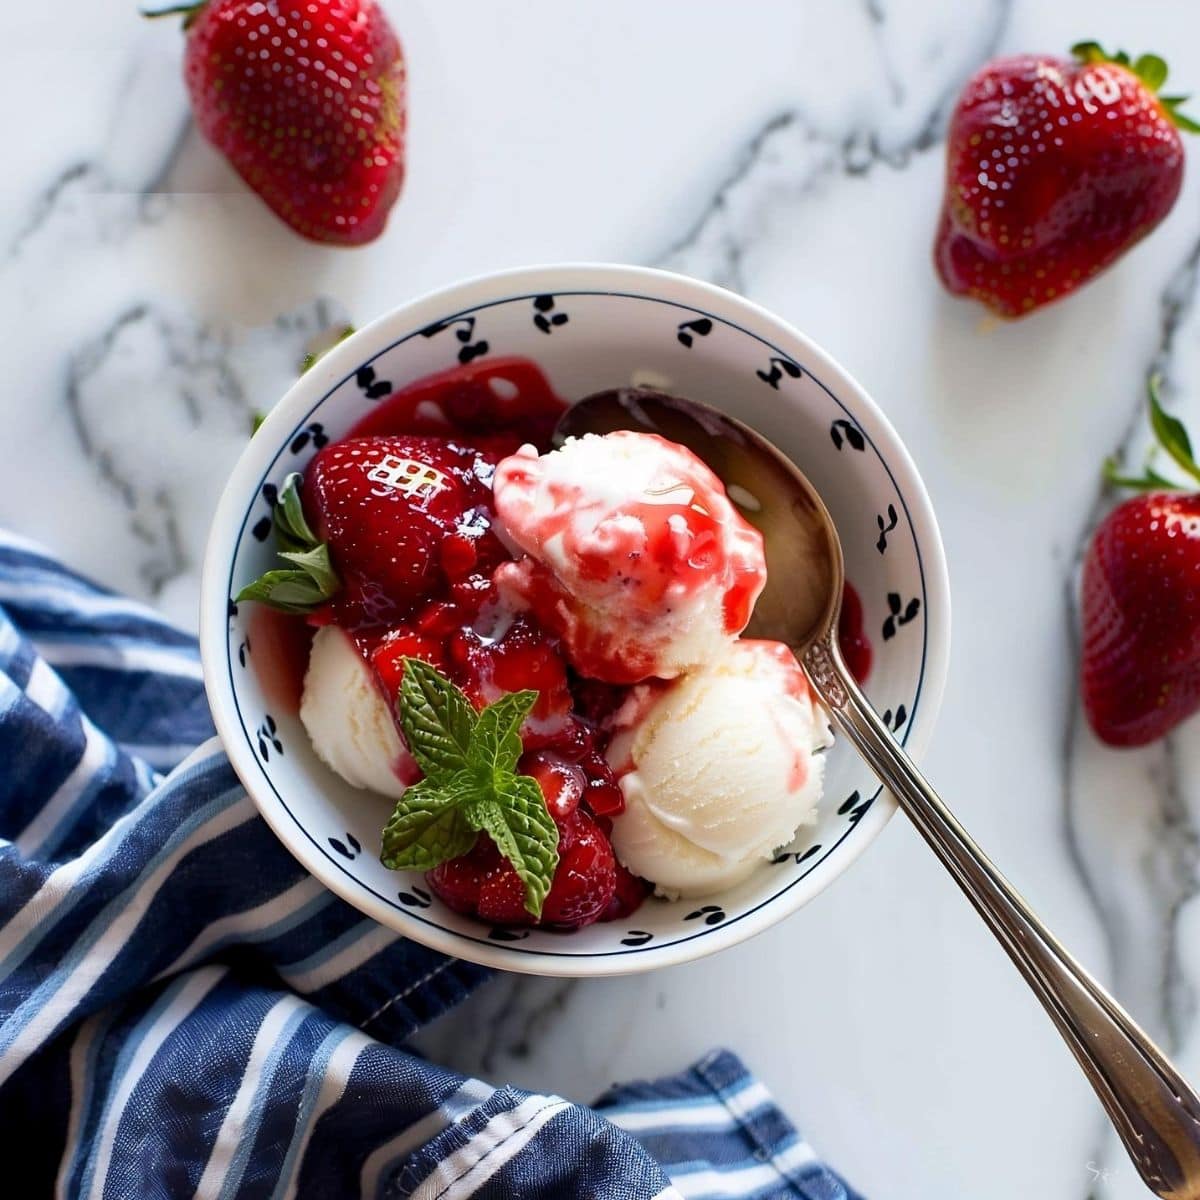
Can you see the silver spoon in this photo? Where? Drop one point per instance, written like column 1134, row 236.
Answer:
column 1156, row 1113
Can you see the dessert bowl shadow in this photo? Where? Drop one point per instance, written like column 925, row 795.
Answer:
column 589, row 327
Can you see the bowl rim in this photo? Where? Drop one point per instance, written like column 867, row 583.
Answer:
column 340, row 363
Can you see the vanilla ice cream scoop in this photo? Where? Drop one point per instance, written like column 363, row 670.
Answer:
column 637, row 560
column 349, row 721
column 718, row 769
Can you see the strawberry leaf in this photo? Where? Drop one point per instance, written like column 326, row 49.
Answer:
column 515, row 817
column 315, row 563
column 1151, row 481
column 291, row 527
column 436, row 718
column 311, row 580
column 1178, row 119
column 428, row 826
column 496, row 738
column 1151, row 70
column 1171, row 433
column 289, row 591
column 1089, row 52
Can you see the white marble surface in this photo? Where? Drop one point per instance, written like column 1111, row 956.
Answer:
column 793, row 151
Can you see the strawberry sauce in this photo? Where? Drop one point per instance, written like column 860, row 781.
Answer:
column 279, row 644
column 852, row 635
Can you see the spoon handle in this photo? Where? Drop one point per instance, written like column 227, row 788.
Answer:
column 1156, row 1113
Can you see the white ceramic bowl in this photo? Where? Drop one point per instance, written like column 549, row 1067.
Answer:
column 592, row 327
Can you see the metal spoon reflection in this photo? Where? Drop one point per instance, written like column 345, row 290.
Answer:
column 1156, row 1113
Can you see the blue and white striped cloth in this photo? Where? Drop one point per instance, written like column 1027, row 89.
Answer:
column 185, row 1012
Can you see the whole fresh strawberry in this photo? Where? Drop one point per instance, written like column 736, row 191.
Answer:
column 1054, row 168
column 1140, row 670
column 306, row 98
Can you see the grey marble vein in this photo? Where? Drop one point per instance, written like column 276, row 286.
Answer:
column 158, row 378
column 790, row 153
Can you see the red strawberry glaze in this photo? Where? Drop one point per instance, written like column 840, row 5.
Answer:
column 852, row 635
column 278, row 645
column 666, row 545
column 506, row 401
column 403, row 517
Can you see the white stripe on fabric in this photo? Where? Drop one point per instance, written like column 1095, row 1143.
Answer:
column 163, row 756
column 257, row 924
column 472, row 1165
column 709, row 1112
column 46, row 689
column 333, row 1080
column 145, row 657
column 25, row 928
column 714, row 1183
column 318, row 971
column 223, row 1172
column 472, row 1093
column 81, row 1072
column 191, row 992
column 50, row 1005
column 58, row 593
column 41, row 835
column 668, row 1193
column 16, row 541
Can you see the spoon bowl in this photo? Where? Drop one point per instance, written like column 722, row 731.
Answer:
column 805, row 567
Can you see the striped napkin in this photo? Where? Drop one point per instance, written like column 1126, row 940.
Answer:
column 185, row 1012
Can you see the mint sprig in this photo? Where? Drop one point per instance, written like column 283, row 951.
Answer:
column 1170, row 435
column 310, row 580
column 471, row 784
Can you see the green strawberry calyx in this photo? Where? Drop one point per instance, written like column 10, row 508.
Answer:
column 1170, row 436
column 1150, row 69
column 309, row 581
column 189, row 10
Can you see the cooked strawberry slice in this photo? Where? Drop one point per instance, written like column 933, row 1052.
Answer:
column 586, row 877
column 562, row 782
column 515, row 656
column 627, row 896
column 389, row 507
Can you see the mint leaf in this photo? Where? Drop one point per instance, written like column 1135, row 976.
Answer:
column 428, row 826
column 288, row 591
column 470, row 784
column 1171, row 434
column 437, row 720
column 291, row 527
column 496, row 739
column 515, row 817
